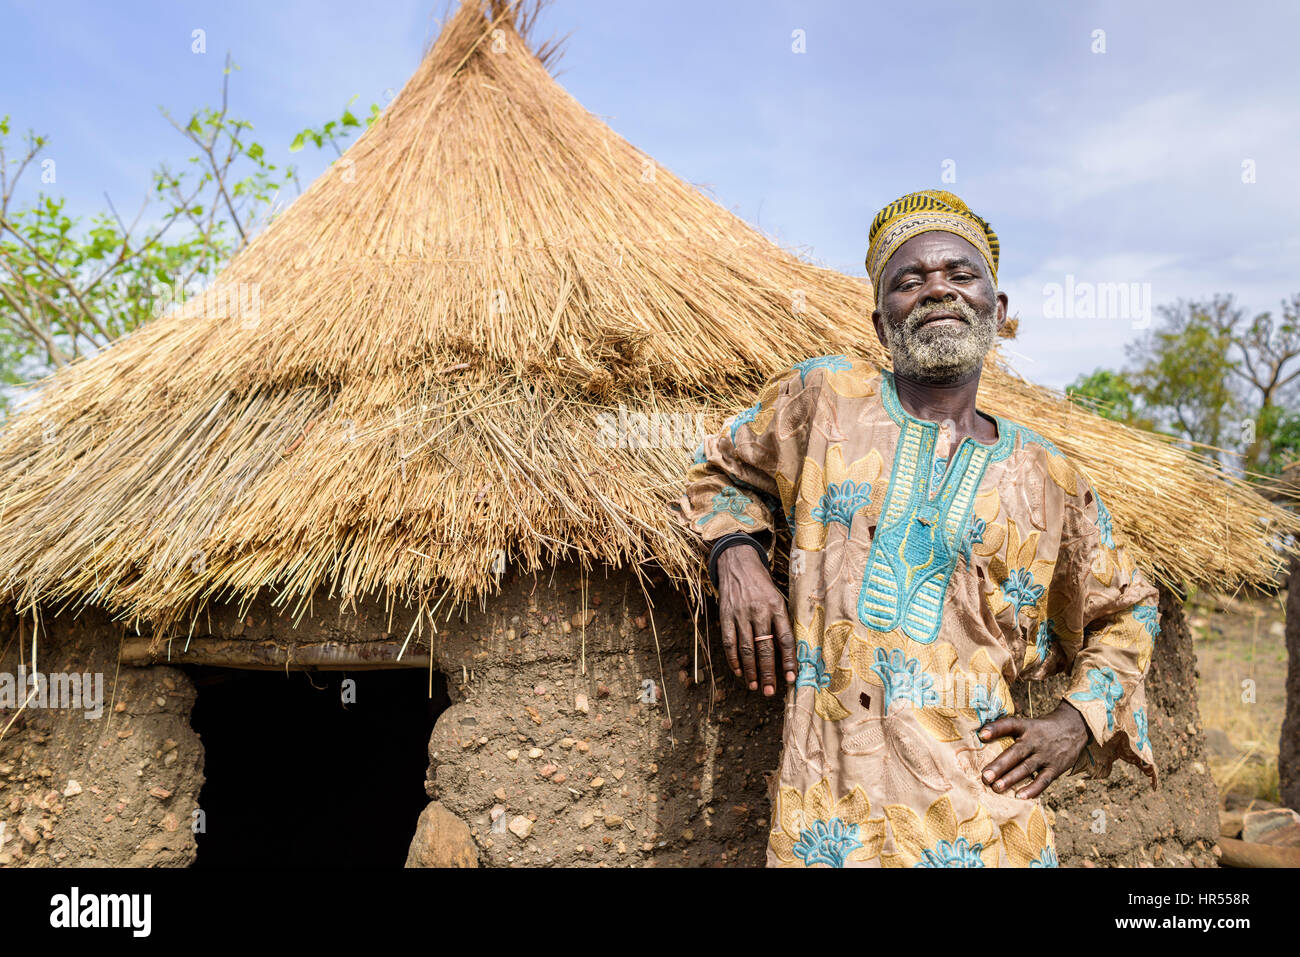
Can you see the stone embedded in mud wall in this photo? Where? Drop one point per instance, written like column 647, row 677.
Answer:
column 441, row 840
column 119, row 789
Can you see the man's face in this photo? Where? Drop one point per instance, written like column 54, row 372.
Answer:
column 937, row 310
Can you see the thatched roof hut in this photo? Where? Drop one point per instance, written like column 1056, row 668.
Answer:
column 392, row 392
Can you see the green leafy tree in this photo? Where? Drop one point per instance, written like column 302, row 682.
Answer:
column 1183, row 370
column 333, row 133
column 1109, row 394
column 1279, row 431
column 1270, row 370
column 1212, row 376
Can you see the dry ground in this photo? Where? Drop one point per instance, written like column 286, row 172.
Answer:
column 1241, row 677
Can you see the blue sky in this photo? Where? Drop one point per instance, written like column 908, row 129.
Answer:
column 1123, row 166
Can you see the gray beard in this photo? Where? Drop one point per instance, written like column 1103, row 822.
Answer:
column 940, row 355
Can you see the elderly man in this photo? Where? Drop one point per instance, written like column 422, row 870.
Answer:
column 938, row 554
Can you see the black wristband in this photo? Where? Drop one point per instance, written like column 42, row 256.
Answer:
column 727, row 541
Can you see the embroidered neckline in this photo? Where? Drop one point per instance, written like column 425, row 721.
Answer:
column 922, row 523
column 998, row 451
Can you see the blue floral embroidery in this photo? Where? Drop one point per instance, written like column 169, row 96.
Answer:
column 974, row 533
column 812, row 667
column 904, row 680
column 827, row 842
column 744, row 418
column 771, row 501
column 1105, row 687
column 1020, row 590
column 730, row 501
column 1103, row 522
column 988, row 707
column 1046, row 858
column 940, row 466
column 829, row 363
column 1140, row 719
column 1149, row 616
column 1044, row 638
column 958, row 853
column 841, row 501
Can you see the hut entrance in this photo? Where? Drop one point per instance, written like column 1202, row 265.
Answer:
column 305, row 770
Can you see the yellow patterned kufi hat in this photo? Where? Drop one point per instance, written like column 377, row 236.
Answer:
column 924, row 212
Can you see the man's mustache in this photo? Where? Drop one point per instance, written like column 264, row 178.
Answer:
column 922, row 313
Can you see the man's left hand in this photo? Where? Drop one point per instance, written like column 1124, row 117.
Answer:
column 1049, row 745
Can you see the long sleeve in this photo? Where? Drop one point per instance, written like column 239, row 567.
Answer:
column 747, row 471
column 1104, row 615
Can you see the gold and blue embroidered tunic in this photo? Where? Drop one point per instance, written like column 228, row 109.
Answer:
column 924, row 580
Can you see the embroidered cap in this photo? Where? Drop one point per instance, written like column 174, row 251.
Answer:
column 927, row 211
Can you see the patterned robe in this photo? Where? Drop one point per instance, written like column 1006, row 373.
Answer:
column 924, row 580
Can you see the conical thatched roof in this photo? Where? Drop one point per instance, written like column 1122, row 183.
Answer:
column 438, row 321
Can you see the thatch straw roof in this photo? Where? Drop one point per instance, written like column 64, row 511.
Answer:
column 438, row 320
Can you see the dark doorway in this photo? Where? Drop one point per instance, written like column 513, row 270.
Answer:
column 297, row 777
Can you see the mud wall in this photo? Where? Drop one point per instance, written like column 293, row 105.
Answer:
column 114, row 790
column 1288, row 762
column 598, row 745
column 635, row 759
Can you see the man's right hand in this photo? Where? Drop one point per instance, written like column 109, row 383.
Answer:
column 751, row 607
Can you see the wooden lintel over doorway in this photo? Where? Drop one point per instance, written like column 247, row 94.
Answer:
column 270, row 655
